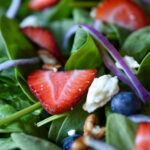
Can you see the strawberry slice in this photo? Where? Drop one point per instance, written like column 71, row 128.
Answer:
column 123, row 13
column 143, row 137
column 58, row 92
column 44, row 39
column 41, row 4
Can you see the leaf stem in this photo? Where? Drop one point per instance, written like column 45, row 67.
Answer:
column 51, row 118
column 19, row 114
column 84, row 4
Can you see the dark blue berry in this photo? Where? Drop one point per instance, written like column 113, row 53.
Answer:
column 69, row 140
column 125, row 103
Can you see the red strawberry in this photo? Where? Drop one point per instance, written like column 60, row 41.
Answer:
column 124, row 13
column 60, row 91
column 143, row 137
column 41, row 4
column 44, row 39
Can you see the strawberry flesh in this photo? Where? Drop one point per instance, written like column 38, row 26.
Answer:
column 58, row 92
column 44, row 39
column 41, row 4
column 142, row 141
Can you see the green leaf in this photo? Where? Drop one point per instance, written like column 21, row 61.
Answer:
column 61, row 11
column 85, row 54
column 7, row 144
column 144, row 72
column 146, row 108
column 82, row 16
column 75, row 120
column 18, row 46
column 115, row 34
column 26, row 142
column 6, row 110
column 121, row 132
column 138, row 44
column 54, row 129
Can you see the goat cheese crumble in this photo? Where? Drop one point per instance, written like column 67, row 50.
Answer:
column 71, row 132
column 100, row 92
column 131, row 62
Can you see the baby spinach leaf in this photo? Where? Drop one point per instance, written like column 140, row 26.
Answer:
column 18, row 46
column 75, row 120
column 138, row 44
column 114, row 33
column 27, row 142
column 54, row 129
column 6, row 110
column 7, row 144
column 121, row 132
column 85, row 54
column 82, row 16
column 144, row 72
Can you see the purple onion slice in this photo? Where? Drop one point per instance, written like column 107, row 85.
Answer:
column 13, row 9
column 103, row 43
column 18, row 62
column 139, row 118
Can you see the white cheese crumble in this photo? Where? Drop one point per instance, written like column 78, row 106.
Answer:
column 30, row 21
column 100, row 92
column 71, row 132
column 93, row 12
column 131, row 62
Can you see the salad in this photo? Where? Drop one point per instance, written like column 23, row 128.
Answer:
column 74, row 74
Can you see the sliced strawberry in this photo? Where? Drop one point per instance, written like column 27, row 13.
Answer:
column 58, row 92
column 41, row 4
column 44, row 39
column 123, row 13
column 143, row 137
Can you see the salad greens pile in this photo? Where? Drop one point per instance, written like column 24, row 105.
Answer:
column 19, row 109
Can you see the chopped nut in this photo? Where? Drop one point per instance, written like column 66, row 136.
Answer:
column 51, row 67
column 79, row 144
column 90, row 123
column 47, row 58
column 99, row 134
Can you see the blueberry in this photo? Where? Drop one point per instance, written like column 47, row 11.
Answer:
column 69, row 140
column 125, row 103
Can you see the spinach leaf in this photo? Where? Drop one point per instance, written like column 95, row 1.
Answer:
column 75, row 120
column 18, row 46
column 7, row 144
column 27, row 142
column 85, row 54
column 138, row 44
column 144, row 72
column 115, row 34
column 6, row 110
column 121, row 132
column 54, row 129
column 82, row 16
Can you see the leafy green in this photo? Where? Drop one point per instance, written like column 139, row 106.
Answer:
column 85, row 54
column 138, row 44
column 7, row 144
column 26, row 142
column 6, row 110
column 144, row 72
column 54, row 129
column 146, row 108
column 121, row 132
column 15, row 51
column 115, row 34
column 75, row 120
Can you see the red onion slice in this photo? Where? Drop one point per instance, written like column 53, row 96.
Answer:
column 139, row 118
column 19, row 62
column 143, row 94
column 13, row 9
